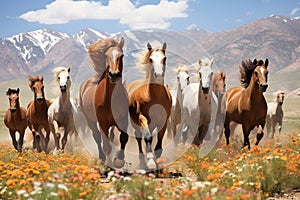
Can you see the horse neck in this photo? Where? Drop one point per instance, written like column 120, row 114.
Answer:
column 64, row 97
column 179, row 96
column 253, row 91
column 155, row 89
column 17, row 113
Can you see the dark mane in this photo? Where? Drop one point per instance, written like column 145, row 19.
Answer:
column 246, row 70
column 33, row 79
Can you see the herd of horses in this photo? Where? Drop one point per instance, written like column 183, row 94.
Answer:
column 191, row 113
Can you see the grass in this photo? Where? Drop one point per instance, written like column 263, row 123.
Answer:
column 225, row 173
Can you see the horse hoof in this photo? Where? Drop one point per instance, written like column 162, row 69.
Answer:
column 151, row 164
column 119, row 163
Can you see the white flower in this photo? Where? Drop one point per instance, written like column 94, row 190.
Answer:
column 20, row 192
column 62, row 186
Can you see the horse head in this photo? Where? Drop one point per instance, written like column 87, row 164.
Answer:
column 62, row 77
column 280, row 97
column 157, row 58
column 219, row 85
column 13, row 96
column 37, row 86
column 205, row 74
column 114, row 61
column 183, row 77
column 261, row 74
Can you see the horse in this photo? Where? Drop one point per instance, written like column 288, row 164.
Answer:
column 196, row 113
column 15, row 118
column 150, row 103
column 37, row 114
column 218, row 90
column 246, row 105
column 275, row 114
column 103, row 98
column 60, row 112
column 183, row 79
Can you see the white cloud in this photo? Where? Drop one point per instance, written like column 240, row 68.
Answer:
column 146, row 16
column 192, row 27
column 294, row 11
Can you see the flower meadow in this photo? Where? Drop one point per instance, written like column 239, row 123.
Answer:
column 227, row 172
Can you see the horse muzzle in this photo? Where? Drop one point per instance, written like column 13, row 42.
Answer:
column 158, row 77
column 13, row 110
column 40, row 100
column 114, row 76
column 205, row 90
column 63, row 88
column 263, row 87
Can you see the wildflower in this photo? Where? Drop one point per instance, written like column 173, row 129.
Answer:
column 245, row 196
column 62, row 186
column 20, row 192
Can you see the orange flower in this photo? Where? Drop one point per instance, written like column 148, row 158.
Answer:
column 245, row 196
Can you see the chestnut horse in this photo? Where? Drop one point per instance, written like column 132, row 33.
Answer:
column 246, row 105
column 104, row 99
column 37, row 114
column 150, row 103
column 15, row 118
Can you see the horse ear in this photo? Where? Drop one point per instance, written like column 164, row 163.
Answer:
column 164, row 47
column 121, row 43
column 266, row 62
column 149, row 46
column 212, row 61
column 42, row 79
column 254, row 62
column 18, row 90
column 8, row 91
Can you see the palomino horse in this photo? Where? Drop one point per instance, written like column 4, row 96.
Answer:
column 103, row 97
column 196, row 113
column 37, row 114
column 218, row 90
column 15, row 118
column 246, row 105
column 60, row 112
column 150, row 103
column 275, row 114
column 183, row 79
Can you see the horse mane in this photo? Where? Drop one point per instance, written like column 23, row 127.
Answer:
column 32, row 79
column 143, row 60
column 277, row 93
column 97, row 51
column 246, row 70
column 181, row 68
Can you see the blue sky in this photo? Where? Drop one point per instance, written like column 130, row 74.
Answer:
column 113, row 16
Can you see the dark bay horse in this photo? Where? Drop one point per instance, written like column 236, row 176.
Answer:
column 15, row 118
column 150, row 103
column 103, row 98
column 246, row 105
column 37, row 114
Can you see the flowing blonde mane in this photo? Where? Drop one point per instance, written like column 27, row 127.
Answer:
column 97, row 51
column 182, row 68
column 143, row 60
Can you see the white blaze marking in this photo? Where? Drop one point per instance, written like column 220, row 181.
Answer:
column 114, row 54
column 157, row 58
column 262, row 70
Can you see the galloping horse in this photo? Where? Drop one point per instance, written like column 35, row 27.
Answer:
column 15, row 118
column 246, row 105
column 218, row 90
column 103, row 97
column 37, row 114
column 150, row 103
column 196, row 113
column 60, row 112
column 275, row 114
column 183, row 79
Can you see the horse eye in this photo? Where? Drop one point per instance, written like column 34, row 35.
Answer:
column 150, row 59
column 177, row 78
column 68, row 77
column 199, row 74
column 58, row 78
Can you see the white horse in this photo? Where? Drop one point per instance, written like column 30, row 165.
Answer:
column 60, row 113
column 196, row 111
column 183, row 79
column 275, row 114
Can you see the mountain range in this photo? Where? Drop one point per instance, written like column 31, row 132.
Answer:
column 275, row 37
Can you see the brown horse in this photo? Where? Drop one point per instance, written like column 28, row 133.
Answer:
column 103, row 98
column 37, row 114
column 218, row 90
column 247, row 105
column 15, row 118
column 150, row 103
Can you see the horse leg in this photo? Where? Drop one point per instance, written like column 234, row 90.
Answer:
column 273, row 128
column 65, row 138
column 106, row 143
column 119, row 160
column 148, row 140
column 21, row 140
column 160, row 136
column 246, row 133
column 98, row 139
column 13, row 137
column 47, row 129
column 227, row 130
column 280, row 127
column 260, row 134
column 268, row 123
column 56, row 134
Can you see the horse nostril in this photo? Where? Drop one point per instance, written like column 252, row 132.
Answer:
column 110, row 74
